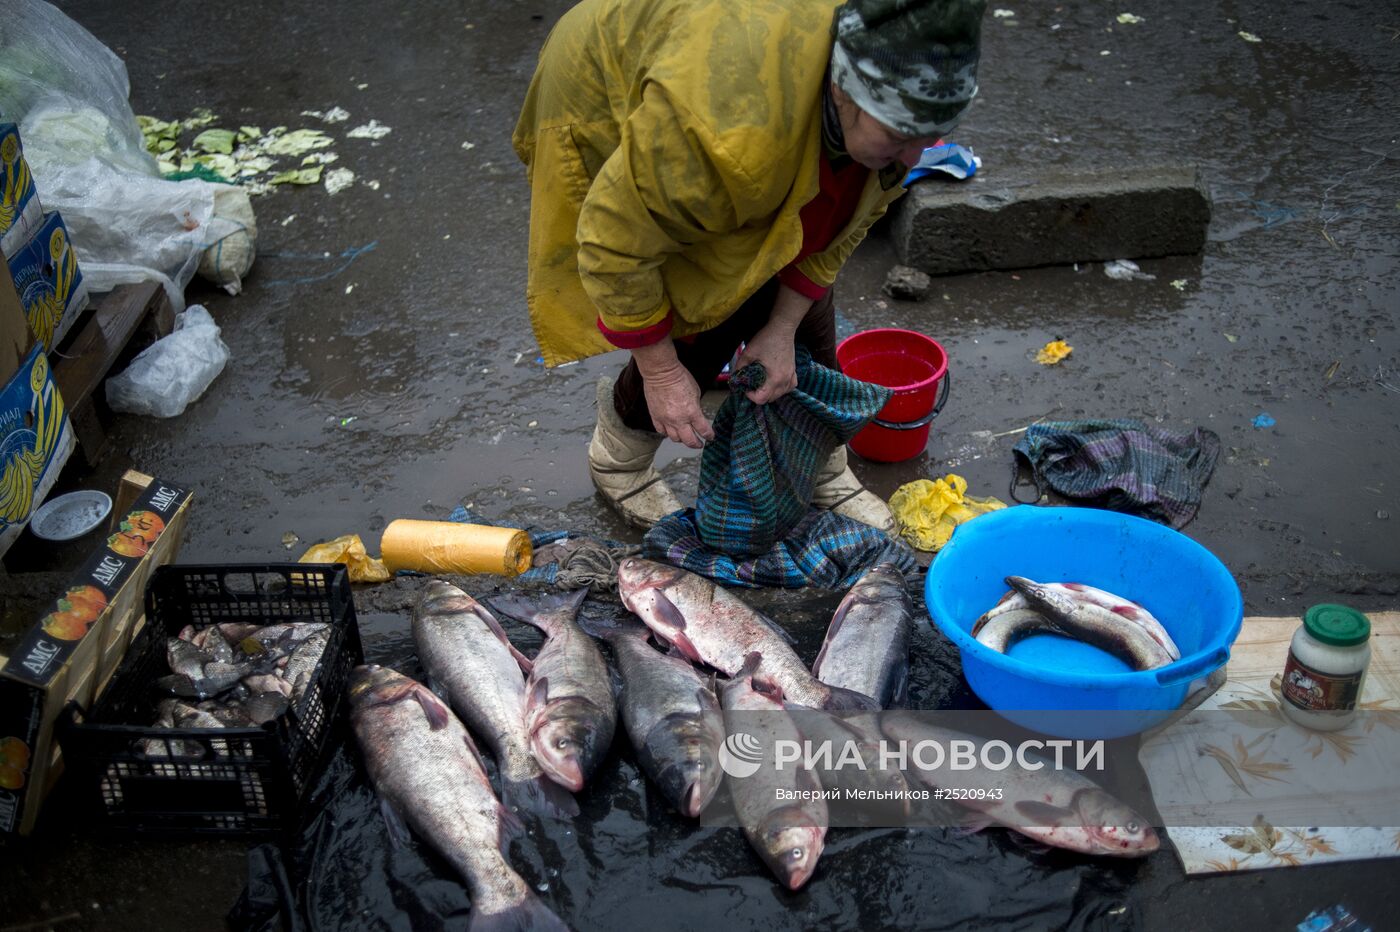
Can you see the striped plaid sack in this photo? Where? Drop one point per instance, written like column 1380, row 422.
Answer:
column 757, row 476
column 1121, row 465
column 825, row 550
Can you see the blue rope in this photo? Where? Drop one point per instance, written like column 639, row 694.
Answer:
column 349, row 255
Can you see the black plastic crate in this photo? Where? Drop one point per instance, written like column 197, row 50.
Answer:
column 214, row 780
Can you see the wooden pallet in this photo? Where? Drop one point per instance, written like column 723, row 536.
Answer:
column 86, row 357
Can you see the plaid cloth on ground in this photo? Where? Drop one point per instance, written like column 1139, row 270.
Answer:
column 825, row 549
column 757, row 476
column 1122, row 465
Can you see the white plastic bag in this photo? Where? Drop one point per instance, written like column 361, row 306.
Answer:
column 69, row 94
column 173, row 371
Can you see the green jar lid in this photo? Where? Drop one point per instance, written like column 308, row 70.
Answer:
column 1337, row 624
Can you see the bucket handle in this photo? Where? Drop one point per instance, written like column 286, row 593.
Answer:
column 947, row 381
column 1175, row 675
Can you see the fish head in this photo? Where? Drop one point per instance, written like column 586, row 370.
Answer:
column 440, row 598
column 889, row 779
column 636, row 576
column 790, row 843
column 1113, row 827
column 185, row 658
column 1051, row 602
column 372, row 684
column 682, row 751
column 568, row 740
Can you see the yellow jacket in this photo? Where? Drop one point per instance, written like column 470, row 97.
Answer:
column 670, row 145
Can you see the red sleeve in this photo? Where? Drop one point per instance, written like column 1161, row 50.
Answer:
column 632, row 339
column 792, row 277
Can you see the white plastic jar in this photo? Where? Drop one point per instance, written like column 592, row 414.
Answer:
column 1326, row 667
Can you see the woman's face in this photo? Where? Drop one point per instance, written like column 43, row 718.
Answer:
column 872, row 143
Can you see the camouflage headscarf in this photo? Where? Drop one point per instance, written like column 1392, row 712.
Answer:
column 911, row 64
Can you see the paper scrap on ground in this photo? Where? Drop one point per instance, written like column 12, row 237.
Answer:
column 1126, row 270
column 1053, row 352
column 1249, row 37
column 371, row 130
column 1268, row 768
column 333, row 115
column 338, row 179
column 1003, row 14
column 1128, row 19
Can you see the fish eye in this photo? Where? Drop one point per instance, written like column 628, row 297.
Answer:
column 562, row 743
column 795, row 854
column 1133, row 827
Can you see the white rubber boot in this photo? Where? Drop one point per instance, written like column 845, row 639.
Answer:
column 839, row 490
column 619, row 460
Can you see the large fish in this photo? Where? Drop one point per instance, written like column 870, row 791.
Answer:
column 570, row 714
column 867, row 645
column 854, row 767
column 788, row 835
column 709, row 625
column 1123, row 608
column 428, row 774
column 672, row 717
column 466, row 653
column 1055, row 610
column 1061, row 808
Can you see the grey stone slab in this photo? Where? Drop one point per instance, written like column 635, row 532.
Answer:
column 1053, row 219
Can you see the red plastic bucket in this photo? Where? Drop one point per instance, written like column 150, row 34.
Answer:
column 916, row 367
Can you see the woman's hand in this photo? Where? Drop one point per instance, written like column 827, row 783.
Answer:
column 673, row 397
column 774, row 346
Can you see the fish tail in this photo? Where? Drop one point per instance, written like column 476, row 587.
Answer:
column 528, row 914
column 530, row 610
column 848, row 699
column 539, row 795
column 613, row 628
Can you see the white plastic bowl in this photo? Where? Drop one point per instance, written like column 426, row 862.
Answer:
column 70, row 516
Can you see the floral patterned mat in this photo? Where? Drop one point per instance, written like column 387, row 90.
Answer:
column 1262, row 775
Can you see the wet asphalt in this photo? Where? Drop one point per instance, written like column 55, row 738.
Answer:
column 383, row 366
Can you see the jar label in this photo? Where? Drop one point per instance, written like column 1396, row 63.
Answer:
column 1315, row 691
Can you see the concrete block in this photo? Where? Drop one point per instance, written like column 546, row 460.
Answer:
column 1056, row 218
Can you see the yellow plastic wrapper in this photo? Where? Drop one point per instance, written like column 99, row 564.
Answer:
column 928, row 510
column 349, row 550
column 1054, row 351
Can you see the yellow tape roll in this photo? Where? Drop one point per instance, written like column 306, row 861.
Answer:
column 448, row 547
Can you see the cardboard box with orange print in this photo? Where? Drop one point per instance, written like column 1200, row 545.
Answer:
column 73, row 650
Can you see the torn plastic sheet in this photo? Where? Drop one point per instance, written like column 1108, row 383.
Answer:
column 951, row 159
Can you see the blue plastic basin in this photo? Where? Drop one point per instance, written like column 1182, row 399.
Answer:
column 1064, row 687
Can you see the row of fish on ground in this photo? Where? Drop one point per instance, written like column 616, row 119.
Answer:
column 548, row 721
